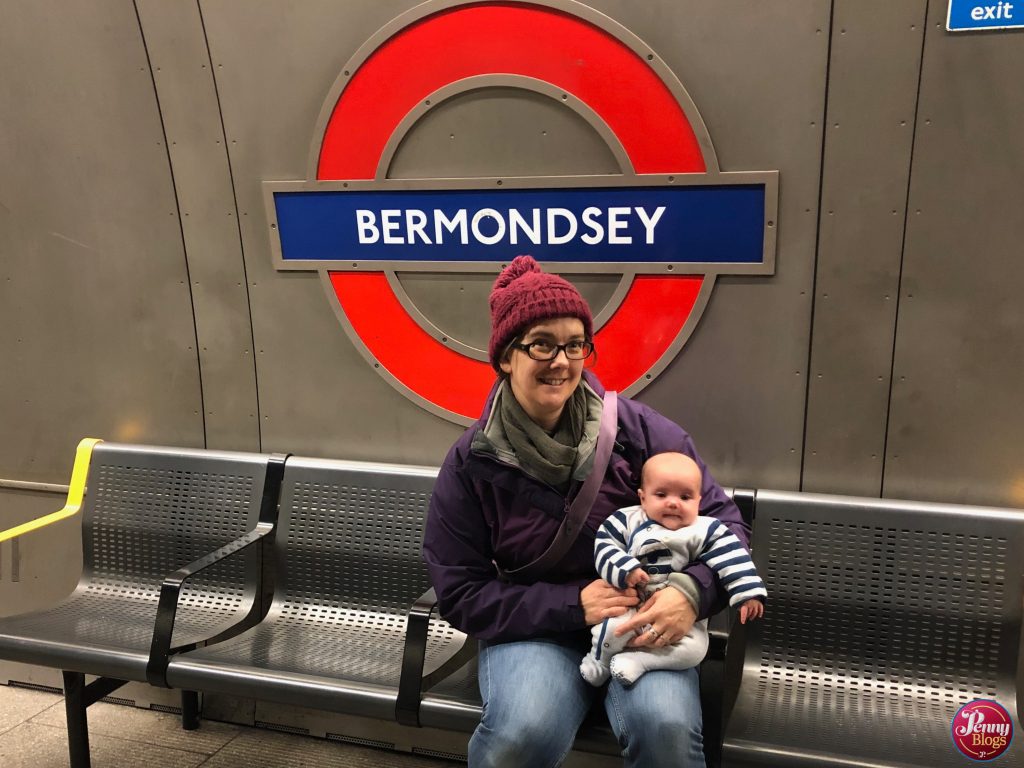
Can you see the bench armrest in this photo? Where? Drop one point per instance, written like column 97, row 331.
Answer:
column 413, row 682
column 746, row 500
column 76, row 493
column 160, row 649
column 170, row 590
column 719, row 643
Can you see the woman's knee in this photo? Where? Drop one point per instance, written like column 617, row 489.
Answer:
column 653, row 733
column 520, row 738
column 677, row 734
column 534, row 700
column 664, row 740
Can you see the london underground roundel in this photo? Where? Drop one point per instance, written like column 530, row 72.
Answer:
column 669, row 223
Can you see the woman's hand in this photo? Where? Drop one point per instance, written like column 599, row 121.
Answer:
column 670, row 616
column 600, row 601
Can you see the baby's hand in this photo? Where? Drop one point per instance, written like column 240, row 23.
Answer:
column 752, row 609
column 637, row 578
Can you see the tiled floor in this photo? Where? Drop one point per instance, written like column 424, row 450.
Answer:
column 33, row 735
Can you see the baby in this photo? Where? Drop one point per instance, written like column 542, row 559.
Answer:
column 639, row 546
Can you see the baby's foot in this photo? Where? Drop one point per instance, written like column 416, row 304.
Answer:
column 593, row 671
column 627, row 667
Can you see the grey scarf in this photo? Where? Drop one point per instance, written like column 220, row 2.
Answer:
column 555, row 459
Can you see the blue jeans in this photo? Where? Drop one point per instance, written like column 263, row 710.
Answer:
column 535, row 699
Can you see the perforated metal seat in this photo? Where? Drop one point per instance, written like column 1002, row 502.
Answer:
column 348, row 553
column 147, row 512
column 884, row 618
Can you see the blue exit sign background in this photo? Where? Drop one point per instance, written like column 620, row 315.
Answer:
column 968, row 15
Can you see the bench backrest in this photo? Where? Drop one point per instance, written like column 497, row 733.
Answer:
column 349, row 537
column 150, row 510
column 889, row 596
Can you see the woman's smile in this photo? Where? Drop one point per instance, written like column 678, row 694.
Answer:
column 553, row 381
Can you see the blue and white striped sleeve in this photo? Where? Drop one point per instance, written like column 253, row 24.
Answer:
column 731, row 563
column 611, row 559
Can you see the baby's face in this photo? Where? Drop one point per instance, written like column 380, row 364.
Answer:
column 671, row 491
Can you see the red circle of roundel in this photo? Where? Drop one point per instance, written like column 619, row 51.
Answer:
column 530, row 41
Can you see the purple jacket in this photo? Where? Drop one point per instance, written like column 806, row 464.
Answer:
column 484, row 511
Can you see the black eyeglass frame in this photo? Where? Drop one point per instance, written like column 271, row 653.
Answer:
column 528, row 349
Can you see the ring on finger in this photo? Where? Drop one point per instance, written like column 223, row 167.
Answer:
column 656, row 633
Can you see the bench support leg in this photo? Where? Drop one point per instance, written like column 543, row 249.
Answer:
column 77, row 697
column 78, row 726
column 189, row 710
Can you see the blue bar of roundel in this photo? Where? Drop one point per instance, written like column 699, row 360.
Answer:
column 711, row 223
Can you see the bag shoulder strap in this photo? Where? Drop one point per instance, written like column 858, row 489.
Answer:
column 576, row 515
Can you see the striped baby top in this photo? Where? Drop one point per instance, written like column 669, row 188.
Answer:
column 628, row 539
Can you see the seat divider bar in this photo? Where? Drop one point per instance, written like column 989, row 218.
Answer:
column 410, row 683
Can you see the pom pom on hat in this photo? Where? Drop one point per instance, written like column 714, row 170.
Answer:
column 524, row 295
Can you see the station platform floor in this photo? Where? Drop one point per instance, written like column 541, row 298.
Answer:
column 33, row 734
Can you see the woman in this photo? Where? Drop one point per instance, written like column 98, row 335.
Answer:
column 499, row 504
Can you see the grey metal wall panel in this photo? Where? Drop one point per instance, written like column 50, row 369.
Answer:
column 872, row 95
column 756, row 72
column 763, row 104
column 97, row 332
column 274, row 63
column 180, row 62
column 956, row 417
column 500, row 129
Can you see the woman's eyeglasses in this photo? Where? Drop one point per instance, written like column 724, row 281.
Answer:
column 548, row 350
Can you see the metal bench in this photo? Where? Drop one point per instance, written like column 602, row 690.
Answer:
column 347, row 555
column 148, row 512
column 339, row 635
column 884, row 618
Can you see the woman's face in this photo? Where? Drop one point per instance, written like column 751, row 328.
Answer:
column 542, row 387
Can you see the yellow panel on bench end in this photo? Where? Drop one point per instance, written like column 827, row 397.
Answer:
column 76, row 493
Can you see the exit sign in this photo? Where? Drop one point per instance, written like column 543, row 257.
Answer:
column 967, row 15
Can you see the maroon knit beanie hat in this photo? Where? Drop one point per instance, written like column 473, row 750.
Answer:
column 523, row 295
